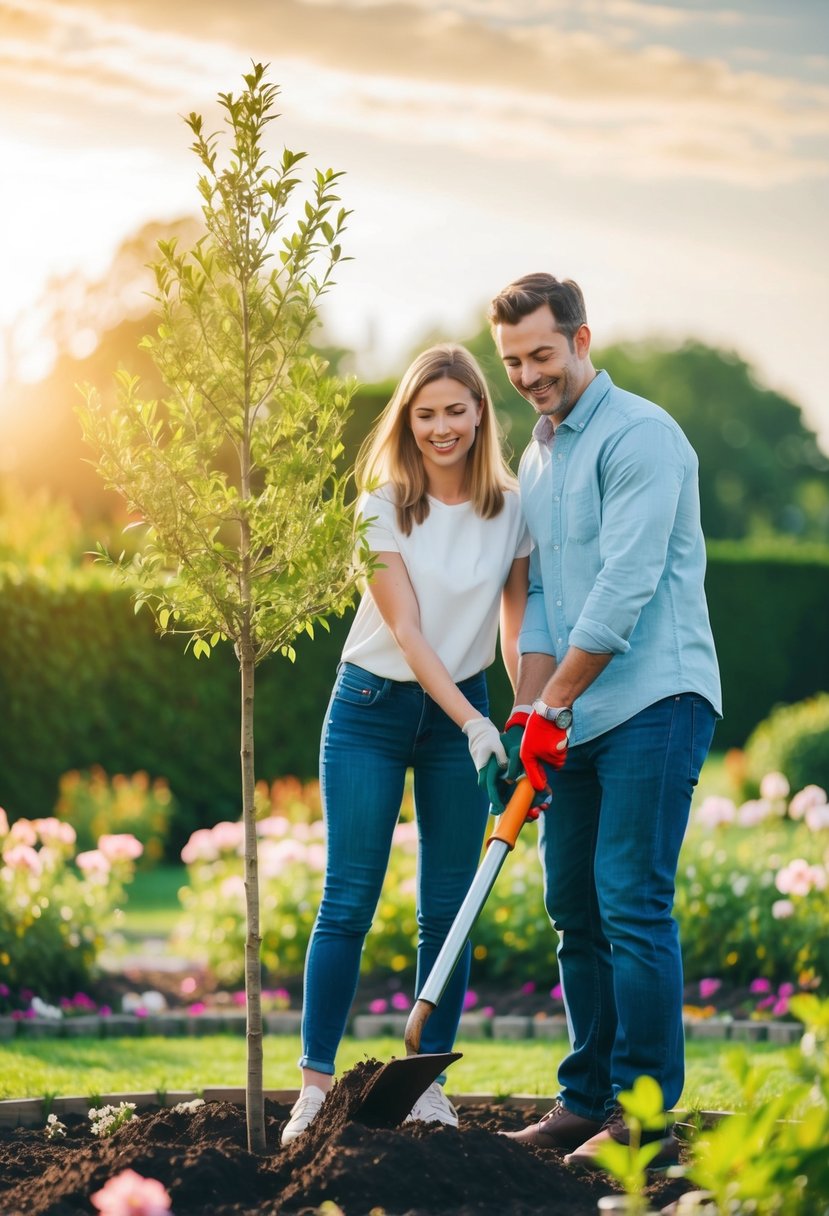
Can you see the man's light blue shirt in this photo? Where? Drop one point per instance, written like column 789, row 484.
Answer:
column 611, row 498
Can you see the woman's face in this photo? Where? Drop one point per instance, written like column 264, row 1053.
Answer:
column 444, row 416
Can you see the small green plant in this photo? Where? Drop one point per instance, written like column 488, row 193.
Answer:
column 773, row 1160
column 106, row 1120
column 644, row 1111
column 55, row 1130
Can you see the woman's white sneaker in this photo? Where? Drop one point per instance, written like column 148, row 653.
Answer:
column 433, row 1106
column 303, row 1112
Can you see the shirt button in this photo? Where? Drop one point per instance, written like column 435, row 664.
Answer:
column 556, row 498
column 555, row 547
column 558, row 641
column 558, row 603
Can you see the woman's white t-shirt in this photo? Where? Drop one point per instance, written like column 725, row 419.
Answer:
column 458, row 564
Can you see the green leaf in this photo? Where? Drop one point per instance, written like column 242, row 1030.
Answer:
column 644, row 1103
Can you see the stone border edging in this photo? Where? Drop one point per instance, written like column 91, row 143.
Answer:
column 31, row 1112
column 362, row 1026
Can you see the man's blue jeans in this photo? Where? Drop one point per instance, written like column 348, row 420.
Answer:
column 609, row 843
column 374, row 730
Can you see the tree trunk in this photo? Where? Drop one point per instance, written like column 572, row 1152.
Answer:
column 253, row 967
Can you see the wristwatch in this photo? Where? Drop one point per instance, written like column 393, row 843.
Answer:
column 561, row 717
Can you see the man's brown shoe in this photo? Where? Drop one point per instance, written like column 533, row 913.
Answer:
column 559, row 1129
column 615, row 1128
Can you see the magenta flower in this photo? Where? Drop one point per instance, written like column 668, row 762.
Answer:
column 400, row 1001
column 470, row 1000
column 380, row 1005
column 760, row 985
column 556, row 993
column 487, row 1011
column 528, row 989
column 786, row 990
column 781, row 1006
column 196, row 1008
column 4, row 990
column 128, row 1194
column 708, row 987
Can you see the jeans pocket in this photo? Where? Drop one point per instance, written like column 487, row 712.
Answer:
column 356, row 686
column 703, row 721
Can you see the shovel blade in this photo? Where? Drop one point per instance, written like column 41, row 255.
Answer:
column 398, row 1085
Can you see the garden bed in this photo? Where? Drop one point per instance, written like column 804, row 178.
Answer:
column 200, row 1157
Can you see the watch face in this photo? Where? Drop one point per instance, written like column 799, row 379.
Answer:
column 563, row 718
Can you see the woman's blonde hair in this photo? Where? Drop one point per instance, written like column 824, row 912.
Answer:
column 390, row 454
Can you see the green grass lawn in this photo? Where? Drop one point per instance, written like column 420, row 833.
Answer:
column 97, row 1066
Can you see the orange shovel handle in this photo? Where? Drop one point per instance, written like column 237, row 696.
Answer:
column 514, row 815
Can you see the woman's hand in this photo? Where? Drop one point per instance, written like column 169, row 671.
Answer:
column 484, row 741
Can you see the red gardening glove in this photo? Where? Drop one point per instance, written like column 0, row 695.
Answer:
column 511, row 739
column 543, row 742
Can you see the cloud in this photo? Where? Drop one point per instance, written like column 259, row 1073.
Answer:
column 503, row 82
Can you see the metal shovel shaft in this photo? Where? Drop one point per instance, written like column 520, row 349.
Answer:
column 452, row 948
column 501, row 842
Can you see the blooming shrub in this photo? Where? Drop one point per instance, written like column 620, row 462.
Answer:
column 55, row 907
column 291, row 869
column 751, row 889
column 94, row 803
column 751, row 896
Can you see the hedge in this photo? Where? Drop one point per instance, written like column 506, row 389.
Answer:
column 85, row 681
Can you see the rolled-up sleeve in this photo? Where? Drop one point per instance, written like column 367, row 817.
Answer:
column 642, row 481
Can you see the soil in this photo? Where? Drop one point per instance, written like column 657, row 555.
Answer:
column 201, row 1157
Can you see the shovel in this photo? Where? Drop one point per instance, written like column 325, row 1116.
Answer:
column 399, row 1084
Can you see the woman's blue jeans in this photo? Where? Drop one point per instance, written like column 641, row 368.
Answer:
column 609, row 844
column 376, row 729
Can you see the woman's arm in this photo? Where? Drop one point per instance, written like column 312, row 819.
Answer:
column 396, row 601
column 513, row 604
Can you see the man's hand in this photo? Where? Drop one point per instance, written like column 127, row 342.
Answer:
column 493, row 777
column 543, row 742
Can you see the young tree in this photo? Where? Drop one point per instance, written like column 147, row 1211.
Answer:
column 233, row 474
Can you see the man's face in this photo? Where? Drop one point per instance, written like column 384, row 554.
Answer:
column 543, row 365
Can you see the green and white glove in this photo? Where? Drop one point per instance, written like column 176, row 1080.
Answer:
column 496, row 779
column 484, row 743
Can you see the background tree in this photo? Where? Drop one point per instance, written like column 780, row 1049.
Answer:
column 762, row 472
column 248, row 536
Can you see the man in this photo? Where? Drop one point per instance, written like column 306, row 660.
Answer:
column 617, row 697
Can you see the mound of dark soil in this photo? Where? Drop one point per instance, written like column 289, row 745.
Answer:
column 202, row 1160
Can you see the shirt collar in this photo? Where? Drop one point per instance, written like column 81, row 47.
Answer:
column 580, row 414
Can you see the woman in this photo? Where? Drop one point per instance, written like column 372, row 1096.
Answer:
column 446, row 528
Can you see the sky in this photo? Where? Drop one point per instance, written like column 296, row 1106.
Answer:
column 672, row 157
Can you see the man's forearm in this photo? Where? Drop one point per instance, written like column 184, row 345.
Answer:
column 576, row 672
column 534, row 672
